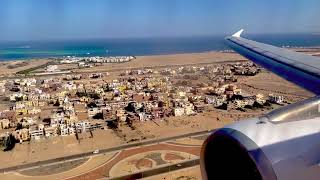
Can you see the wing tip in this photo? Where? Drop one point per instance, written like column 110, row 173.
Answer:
column 238, row 34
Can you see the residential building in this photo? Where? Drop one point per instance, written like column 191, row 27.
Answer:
column 178, row 111
column 275, row 99
column 83, row 126
column 4, row 123
column 36, row 132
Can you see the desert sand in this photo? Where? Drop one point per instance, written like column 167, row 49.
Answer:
column 168, row 60
column 12, row 67
column 192, row 173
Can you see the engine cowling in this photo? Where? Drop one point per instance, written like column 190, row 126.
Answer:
column 276, row 146
column 227, row 154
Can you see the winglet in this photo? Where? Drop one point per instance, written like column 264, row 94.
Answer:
column 237, row 34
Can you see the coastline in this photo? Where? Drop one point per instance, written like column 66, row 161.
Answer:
column 294, row 48
column 139, row 62
column 93, row 55
column 12, row 67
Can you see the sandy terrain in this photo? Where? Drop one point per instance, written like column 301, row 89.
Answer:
column 141, row 61
column 189, row 141
column 192, row 173
column 11, row 67
column 61, row 67
column 57, row 147
column 4, row 106
column 169, row 60
column 91, row 164
column 54, row 169
column 139, row 162
column 173, row 126
column 267, row 82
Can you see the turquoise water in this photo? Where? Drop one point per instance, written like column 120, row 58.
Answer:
column 135, row 47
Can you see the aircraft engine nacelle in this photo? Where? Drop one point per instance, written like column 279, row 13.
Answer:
column 284, row 144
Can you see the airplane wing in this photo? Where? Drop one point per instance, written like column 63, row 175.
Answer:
column 281, row 145
column 299, row 68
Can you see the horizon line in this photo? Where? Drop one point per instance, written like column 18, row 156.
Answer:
column 154, row 37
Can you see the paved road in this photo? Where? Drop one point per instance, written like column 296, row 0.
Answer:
column 101, row 151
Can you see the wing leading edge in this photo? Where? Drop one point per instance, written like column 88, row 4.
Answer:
column 299, row 68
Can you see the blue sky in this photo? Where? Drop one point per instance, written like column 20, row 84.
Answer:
column 88, row 19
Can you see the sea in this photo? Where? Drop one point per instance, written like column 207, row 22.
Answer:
column 141, row 46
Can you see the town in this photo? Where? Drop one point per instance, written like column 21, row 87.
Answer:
column 95, row 59
column 69, row 105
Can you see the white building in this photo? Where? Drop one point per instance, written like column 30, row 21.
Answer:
column 275, row 99
column 178, row 111
column 188, row 109
column 52, row 68
column 83, row 126
column 50, row 131
column 93, row 111
column 36, row 132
